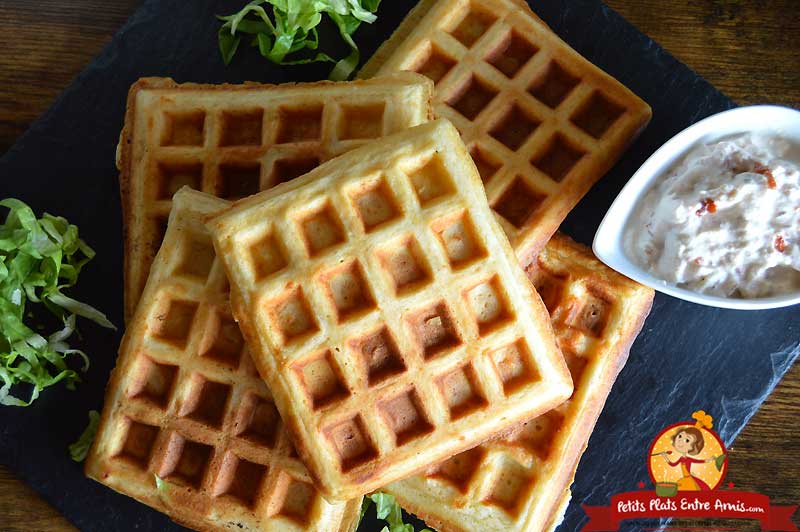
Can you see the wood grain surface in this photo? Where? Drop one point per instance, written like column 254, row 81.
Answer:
column 747, row 48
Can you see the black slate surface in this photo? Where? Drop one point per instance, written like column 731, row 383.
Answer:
column 688, row 356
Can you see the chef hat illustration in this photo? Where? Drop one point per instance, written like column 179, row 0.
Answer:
column 703, row 420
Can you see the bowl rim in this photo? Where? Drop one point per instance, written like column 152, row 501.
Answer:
column 607, row 243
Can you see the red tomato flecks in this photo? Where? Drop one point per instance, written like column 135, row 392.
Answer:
column 707, row 206
column 766, row 172
column 780, row 243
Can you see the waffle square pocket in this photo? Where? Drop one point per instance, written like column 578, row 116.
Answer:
column 376, row 336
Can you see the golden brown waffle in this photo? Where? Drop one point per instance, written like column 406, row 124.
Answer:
column 541, row 122
column 234, row 140
column 387, row 312
column 521, row 481
column 185, row 404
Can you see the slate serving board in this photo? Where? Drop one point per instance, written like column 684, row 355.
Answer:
column 687, row 357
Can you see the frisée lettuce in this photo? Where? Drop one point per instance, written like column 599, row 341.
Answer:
column 39, row 258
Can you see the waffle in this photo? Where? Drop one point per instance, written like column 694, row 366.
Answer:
column 520, row 482
column 185, row 405
column 387, row 312
column 541, row 122
column 234, row 140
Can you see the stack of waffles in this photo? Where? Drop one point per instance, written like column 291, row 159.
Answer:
column 188, row 427
column 399, row 329
column 520, row 481
column 328, row 294
column 232, row 141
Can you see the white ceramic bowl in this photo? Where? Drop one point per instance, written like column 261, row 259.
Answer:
column 608, row 245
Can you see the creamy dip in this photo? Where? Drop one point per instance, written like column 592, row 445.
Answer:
column 725, row 220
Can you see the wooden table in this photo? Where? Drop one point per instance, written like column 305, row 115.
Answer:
column 747, row 48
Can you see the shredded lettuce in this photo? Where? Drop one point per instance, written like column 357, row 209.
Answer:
column 161, row 484
column 38, row 259
column 386, row 508
column 80, row 448
column 282, row 28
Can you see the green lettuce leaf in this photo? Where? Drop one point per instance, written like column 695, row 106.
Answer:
column 161, row 484
column 79, row 449
column 282, row 28
column 386, row 508
column 39, row 259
